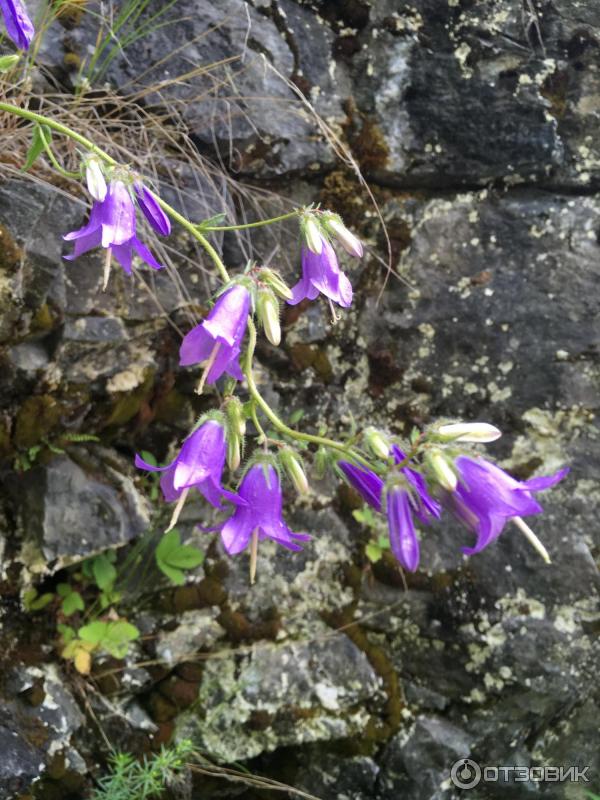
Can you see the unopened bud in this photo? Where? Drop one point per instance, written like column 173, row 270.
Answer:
column 348, row 240
column 234, row 456
column 8, row 62
column 267, row 309
column 95, row 179
column 276, row 282
column 321, row 462
column 378, row 443
column 470, row 432
column 293, row 466
column 312, row 234
column 236, row 420
column 443, row 472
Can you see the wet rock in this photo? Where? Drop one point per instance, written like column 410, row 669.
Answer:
column 70, row 514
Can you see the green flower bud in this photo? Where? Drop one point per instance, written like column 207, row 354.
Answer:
column 276, row 282
column 312, row 234
column 292, row 464
column 378, row 443
column 267, row 309
column 442, row 470
column 236, row 419
column 469, row 432
column 234, row 455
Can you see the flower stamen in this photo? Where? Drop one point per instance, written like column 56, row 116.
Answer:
column 107, row 265
column 532, row 538
column 253, row 554
column 178, row 509
column 211, row 360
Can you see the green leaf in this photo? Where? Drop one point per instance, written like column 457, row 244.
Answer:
column 218, row 219
column 64, row 589
column 147, row 456
column 8, row 62
column 383, row 542
column 72, row 602
column 365, row 516
column 94, row 632
column 176, row 576
column 66, row 631
column 296, row 416
column 32, row 602
column 119, row 636
column 185, row 557
column 37, row 145
column 104, row 572
column 373, row 553
column 170, row 541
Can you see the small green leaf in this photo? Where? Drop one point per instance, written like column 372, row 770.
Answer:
column 296, row 416
column 218, row 219
column 169, row 542
column 119, row 635
column 176, row 576
column 66, row 631
column 149, row 458
column 32, row 602
column 185, row 557
column 8, row 62
column 383, row 543
column 64, row 589
column 37, row 145
column 72, row 602
column 104, row 572
column 373, row 553
column 94, row 632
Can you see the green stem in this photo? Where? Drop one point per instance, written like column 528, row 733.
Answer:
column 347, row 451
column 64, row 172
column 247, row 225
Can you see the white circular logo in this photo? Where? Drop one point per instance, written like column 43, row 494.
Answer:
column 465, row 774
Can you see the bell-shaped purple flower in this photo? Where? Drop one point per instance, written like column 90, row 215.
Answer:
column 18, row 24
column 321, row 273
column 219, row 338
column 367, row 483
column 403, row 537
column 199, row 464
column 112, row 225
column 150, row 208
column 424, row 506
column 260, row 491
column 487, row 497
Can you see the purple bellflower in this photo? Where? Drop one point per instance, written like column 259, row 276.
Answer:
column 367, row 483
column 18, row 24
column 321, row 273
column 199, row 465
column 404, row 543
column 486, row 497
column 150, row 208
column 112, row 225
column 218, row 339
column 260, row 491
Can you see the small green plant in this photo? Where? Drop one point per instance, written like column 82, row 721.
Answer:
column 130, row 779
column 113, row 636
column 172, row 557
column 72, row 601
column 380, row 541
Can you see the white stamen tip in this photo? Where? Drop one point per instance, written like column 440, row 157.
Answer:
column 532, row 538
column 178, row 509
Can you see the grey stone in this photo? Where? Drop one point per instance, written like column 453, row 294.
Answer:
column 196, row 631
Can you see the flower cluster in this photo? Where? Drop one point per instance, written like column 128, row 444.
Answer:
column 18, row 24
column 478, row 493
column 113, row 224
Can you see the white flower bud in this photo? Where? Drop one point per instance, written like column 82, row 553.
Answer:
column 276, row 282
column 234, row 456
column 312, row 234
column 293, row 467
column 95, row 179
column 443, row 472
column 470, row 432
column 268, row 313
column 348, row 240
column 378, row 443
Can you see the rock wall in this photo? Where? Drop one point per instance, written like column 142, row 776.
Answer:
column 475, row 125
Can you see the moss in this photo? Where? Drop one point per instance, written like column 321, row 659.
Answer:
column 44, row 319
column 11, row 254
column 370, row 148
column 306, row 355
column 37, row 417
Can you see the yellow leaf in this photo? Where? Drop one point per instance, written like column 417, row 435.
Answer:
column 83, row 661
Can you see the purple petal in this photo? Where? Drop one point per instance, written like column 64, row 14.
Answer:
column 170, row 493
column 403, row 538
column 202, row 456
column 229, row 316
column 545, row 482
column 118, row 225
column 94, row 224
column 144, row 253
column 150, row 208
column 367, row 483
column 237, row 530
column 323, row 272
column 196, row 346
column 18, row 24
column 85, row 243
column 141, row 464
column 221, row 363
column 123, row 254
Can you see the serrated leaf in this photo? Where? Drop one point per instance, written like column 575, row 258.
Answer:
column 185, row 557
column 73, row 602
column 37, row 145
column 104, row 572
column 373, row 553
column 175, row 575
column 94, row 632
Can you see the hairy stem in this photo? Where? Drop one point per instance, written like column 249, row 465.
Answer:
column 247, row 225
